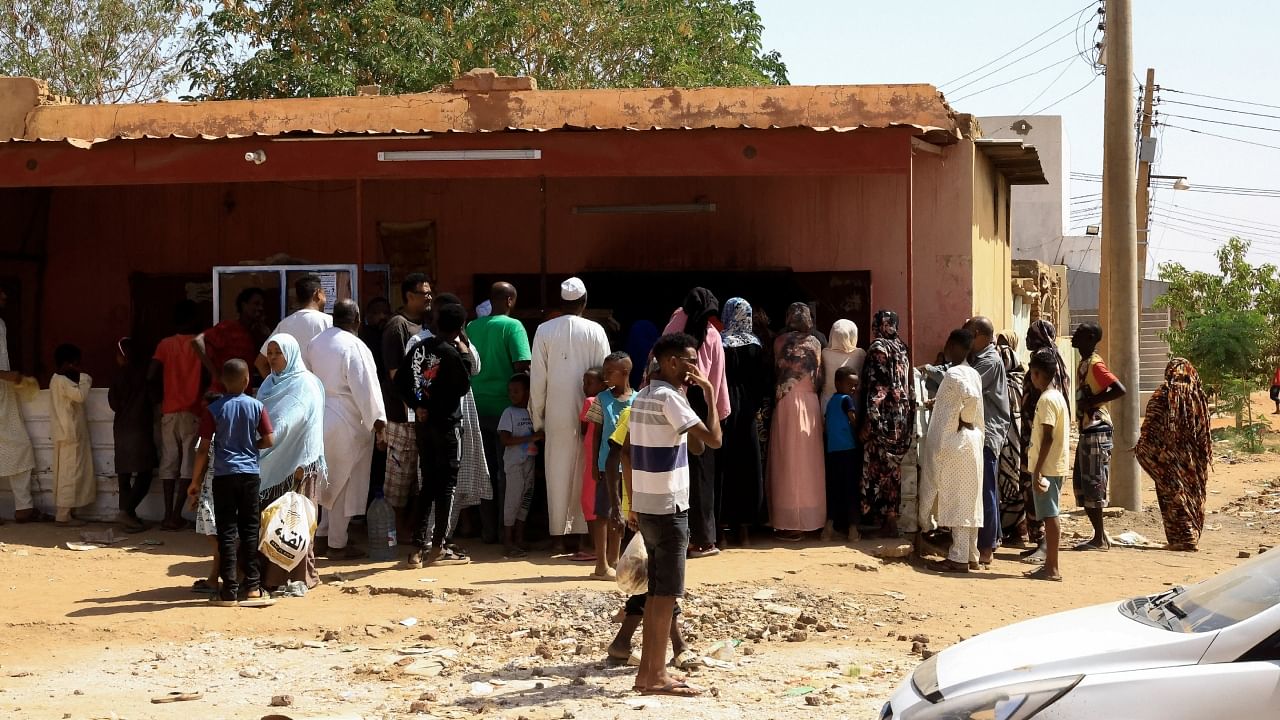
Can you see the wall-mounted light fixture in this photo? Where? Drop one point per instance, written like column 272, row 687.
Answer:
column 668, row 209
column 437, row 155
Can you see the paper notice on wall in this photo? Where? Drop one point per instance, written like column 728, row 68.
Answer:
column 329, row 283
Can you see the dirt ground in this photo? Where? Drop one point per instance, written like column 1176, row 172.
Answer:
column 99, row 634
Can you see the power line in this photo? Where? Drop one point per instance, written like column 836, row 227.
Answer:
column 1222, row 99
column 1046, row 31
column 1222, row 122
column 1213, row 215
column 1011, row 63
column 1082, row 88
column 1223, row 136
column 1216, row 227
column 1212, row 107
column 1032, row 101
column 1050, row 66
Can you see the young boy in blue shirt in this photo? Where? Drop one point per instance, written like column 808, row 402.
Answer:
column 239, row 428
column 844, row 457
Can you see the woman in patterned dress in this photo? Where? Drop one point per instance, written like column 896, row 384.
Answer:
column 1176, row 450
column 889, row 424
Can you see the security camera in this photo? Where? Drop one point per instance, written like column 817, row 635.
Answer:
column 257, row 157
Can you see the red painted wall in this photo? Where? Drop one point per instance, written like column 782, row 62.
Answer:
column 98, row 236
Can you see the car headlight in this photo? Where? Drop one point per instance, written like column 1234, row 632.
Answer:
column 1010, row 702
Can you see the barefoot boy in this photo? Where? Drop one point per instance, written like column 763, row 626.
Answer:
column 1048, row 457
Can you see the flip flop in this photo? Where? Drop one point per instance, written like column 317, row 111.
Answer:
column 1090, row 547
column 686, row 661
column 177, row 696
column 673, row 689
column 1032, row 560
column 1042, row 574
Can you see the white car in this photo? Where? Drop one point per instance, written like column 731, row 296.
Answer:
column 1211, row 650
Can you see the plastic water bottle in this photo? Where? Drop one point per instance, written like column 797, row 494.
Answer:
column 381, row 522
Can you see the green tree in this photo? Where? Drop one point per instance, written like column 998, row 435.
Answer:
column 1226, row 323
column 295, row 48
column 97, row 51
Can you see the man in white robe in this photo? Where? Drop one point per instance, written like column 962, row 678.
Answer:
column 951, row 484
column 17, row 459
column 355, row 420
column 563, row 349
column 304, row 325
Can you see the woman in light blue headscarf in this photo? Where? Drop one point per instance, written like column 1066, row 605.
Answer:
column 294, row 400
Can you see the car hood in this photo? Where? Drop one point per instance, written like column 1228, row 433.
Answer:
column 1087, row 641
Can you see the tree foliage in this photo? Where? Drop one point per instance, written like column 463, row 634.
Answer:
column 1226, row 323
column 293, row 48
column 97, row 51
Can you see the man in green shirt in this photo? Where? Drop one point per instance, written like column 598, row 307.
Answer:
column 503, row 345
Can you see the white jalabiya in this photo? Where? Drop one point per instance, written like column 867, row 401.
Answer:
column 352, row 407
column 304, row 325
column 563, row 349
column 952, row 476
column 16, row 456
column 73, row 482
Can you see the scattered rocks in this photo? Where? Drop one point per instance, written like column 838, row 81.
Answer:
column 251, row 673
column 331, row 635
column 1244, row 554
column 894, row 551
column 922, row 639
column 926, row 653
column 813, row 700
column 797, row 636
column 281, row 701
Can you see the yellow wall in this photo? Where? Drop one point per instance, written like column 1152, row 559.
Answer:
column 991, row 250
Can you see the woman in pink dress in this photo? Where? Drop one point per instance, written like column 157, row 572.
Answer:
column 797, row 490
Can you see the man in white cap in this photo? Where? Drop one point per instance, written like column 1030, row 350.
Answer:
column 563, row 350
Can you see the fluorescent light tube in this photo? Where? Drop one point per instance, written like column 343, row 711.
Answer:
column 421, row 155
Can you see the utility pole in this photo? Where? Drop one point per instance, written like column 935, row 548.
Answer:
column 1120, row 250
column 1144, row 185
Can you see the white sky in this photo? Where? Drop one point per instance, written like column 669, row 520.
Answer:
column 1226, row 49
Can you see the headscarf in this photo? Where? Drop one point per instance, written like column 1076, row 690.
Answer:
column 700, row 306
column 1042, row 334
column 885, row 325
column 737, row 324
column 844, row 336
column 890, row 406
column 294, row 400
column 1008, row 350
column 800, row 318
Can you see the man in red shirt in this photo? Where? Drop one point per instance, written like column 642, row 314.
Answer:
column 178, row 366
column 236, row 339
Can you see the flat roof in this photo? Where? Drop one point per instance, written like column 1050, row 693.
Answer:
column 28, row 113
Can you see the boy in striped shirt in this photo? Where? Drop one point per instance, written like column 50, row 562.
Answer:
column 658, row 485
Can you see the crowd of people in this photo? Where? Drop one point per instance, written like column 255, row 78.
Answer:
column 432, row 413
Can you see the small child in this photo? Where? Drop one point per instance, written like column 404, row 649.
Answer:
column 515, row 432
column 132, row 400
column 603, row 420
column 74, row 484
column 844, row 457
column 1048, row 457
column 592, row 385
column 242, row 429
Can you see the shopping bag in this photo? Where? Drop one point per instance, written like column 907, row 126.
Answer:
column 633, row 568
column 288, row 525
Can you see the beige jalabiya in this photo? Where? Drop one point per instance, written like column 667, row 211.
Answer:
column 73, row 481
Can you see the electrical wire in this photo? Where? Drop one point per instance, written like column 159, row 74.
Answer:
column 1032, row 101
column 1221, row 122
column 1222, row 99
column 1212, row 215
column 1222, row 109
column 1050, row 66
column 1011, row 63
column 1082, row 88
column 1046, row 31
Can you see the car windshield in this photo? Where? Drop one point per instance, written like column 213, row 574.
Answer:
column 1233, row 596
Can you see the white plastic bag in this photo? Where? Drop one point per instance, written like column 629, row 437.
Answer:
column 633, row 568
column 288, row 525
